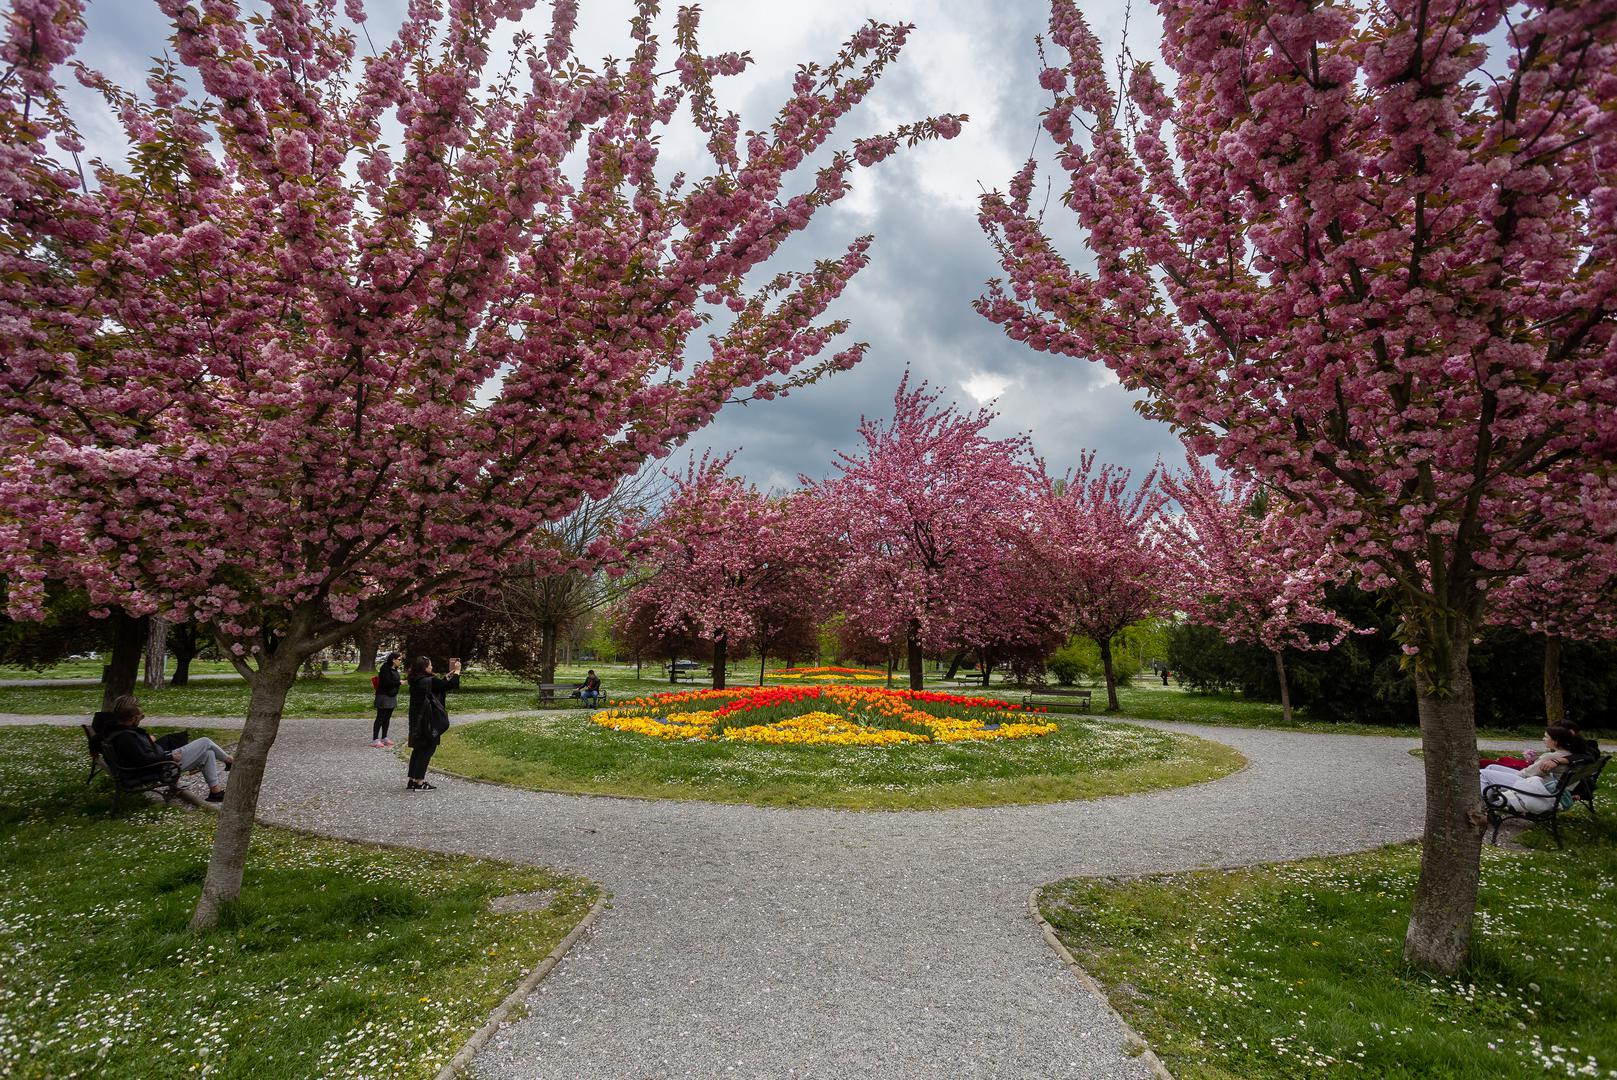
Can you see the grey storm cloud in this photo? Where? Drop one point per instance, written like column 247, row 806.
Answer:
column 930, row 259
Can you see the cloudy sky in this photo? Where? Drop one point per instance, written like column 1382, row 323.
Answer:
column 913, row 304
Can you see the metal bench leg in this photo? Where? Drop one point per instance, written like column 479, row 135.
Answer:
column 1555, row 828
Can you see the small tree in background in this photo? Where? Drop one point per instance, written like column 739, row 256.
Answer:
column 922, row 525
column 1243, row 567
column 730, row 563
column 224, row 354
column 1102, row 551
column 1572, row 598
column 1367, row 252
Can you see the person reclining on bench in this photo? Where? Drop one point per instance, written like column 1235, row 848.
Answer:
column 135, row 749
column 1536, row 788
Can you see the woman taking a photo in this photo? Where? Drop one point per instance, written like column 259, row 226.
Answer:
column 429, row 716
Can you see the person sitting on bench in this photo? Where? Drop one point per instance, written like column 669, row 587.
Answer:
column 135, row 749
column 591, row 690
column 1535, row 788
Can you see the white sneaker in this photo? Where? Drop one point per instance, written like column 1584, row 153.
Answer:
column 376, row 743
column 387, row 742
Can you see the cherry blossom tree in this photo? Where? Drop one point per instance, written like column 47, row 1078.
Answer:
column 1365, row 251
column 1242, row 566
column 1103, row 551
column 332, row 334
column 1573, row 598
column 730, row 563
column 923, row 523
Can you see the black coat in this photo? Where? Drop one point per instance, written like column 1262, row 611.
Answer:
column 420, row 733
column 132, row 750
column 387, row 687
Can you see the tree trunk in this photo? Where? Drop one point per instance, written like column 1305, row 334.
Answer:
column 128, row 644
column 367, row 642
column 988, row 667
column 763, row 659
column 548, row 632
column 1285, row 689
column 1439, row 936
column 156, row 651
column 954, row 665
column 1105, row 644
column 637, row 660
column 234, row 830
column 721, row 656
column 1554, row 700
column 892, row 662
column 185, row 640
column 673, row 672
column 917, row 672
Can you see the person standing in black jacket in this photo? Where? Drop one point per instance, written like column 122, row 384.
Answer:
column 387, row 699
column 429, row 716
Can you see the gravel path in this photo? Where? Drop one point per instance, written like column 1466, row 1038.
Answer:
column 757, row 942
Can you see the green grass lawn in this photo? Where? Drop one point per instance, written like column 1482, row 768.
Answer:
column 1084, row 759
column 340, row 959
column 1294, row 970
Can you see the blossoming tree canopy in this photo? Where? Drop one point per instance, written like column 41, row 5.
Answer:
column 1365, row 251
column 729, row 562
column 924, row 521
column 334, row 331
column 1103, row 552
column 1246, row 569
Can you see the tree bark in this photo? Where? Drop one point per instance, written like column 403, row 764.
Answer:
column 128, row 645
column 892, row 662
column 156, row 651
column 234, row 830
column 763, row 659
column 988, row 667
column 548, row 632
column 185, row 640
column 917, row 674
column 954, row 665
column 721, row 656
column 1285, row 689
column 366, row 641
column 1554, row 699
column 1439, row 936
column 1105, row 644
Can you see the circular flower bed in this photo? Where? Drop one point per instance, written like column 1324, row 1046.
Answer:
column 830, row 674
column 825, row 716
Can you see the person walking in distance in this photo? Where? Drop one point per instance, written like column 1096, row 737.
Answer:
column 387, row 699
column 429, row 716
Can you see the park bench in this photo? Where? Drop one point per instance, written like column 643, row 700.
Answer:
column 549, row 691
column 165, row 776
column 1577, row 785
column 1081, row 698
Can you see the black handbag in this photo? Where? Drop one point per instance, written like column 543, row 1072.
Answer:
column 437, row 715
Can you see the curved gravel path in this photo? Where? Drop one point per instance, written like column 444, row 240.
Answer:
column 758, row 942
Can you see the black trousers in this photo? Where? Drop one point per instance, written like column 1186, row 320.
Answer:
column 419, row 756
column 379, row 729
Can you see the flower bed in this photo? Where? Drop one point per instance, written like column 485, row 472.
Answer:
column 830, row 674
column 825, row 716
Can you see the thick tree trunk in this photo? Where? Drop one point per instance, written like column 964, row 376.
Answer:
column 892, row 663
column 1554, row 699
column 185, row 640
column 234, row 830
column 721, row 657
column 954, row 664
column 988, row 667
column 156, row 651
column 673, row 672
column 366, row 641
column 548, row 632
column 1285, row 688
column 917, row 672
column 1439, row 936
column 1105, row 644
column 128, row 645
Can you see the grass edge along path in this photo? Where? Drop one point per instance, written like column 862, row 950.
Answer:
column 1294, row 969
column 342, row 958
column 567, row 754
